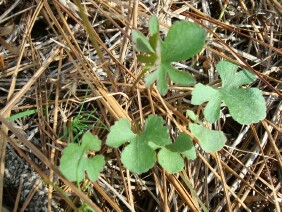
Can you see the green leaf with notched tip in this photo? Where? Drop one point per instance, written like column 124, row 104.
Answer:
column 120, row 133
column 183, row 145
column 183, row 41
column 155, row 133
column 75, row 161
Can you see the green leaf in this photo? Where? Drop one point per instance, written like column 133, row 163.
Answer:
column 170, row 161
column 246, row 105
column 183, row 41
column 151, row 78
column 94, row 166
column 74, row 161
column 210, row 140
column 192, row 115
column 162, row 81
column 183, row 145
column 160, row 76
column 138, row 156
column 155, row 133
column 182, row 78
column 87, row 142
column 120, row 133
column 154, row 25
column 155, row 42
column 230, row 78
column 142, row 43
column 22, row 114
column 69, row 164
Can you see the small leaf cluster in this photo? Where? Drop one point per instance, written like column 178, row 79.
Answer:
column 151, row 145
column 183, row 41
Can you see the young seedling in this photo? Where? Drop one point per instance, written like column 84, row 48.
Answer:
column 246, row 105
column 141, row 153
column 75, row 159
column 183, row 41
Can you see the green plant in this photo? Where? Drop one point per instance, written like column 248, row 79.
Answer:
column 246, row 105
column 152, row 144
column 22, row 114
column 183, row 41
column 143, row 148
column 76, row 159
column 80, row 124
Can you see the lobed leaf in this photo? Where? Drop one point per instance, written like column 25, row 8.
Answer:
column 183, row 145
column 184, row 40
column 138, row 156
column 210, row 140
column 120, row 133
column 155, row 133
column 94, row 166
column 90, row 142
column 74, row 161
column 246, row 105
column 170, row 161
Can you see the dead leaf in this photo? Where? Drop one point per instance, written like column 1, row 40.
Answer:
column 7, row 30
column 13, row 49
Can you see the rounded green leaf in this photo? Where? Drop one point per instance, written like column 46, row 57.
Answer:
column 170, row 161
column 120, row 133
column 246, row 106
column 202, row 93
column 183, row 145
column 183, row 41
column 155, row 133
column 138, row 156
column 94, row 166
column 70, row 163
column 210, row 140
column 74, row 161
column 90, row 142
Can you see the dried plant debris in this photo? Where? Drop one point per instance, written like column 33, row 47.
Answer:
column 62, row 77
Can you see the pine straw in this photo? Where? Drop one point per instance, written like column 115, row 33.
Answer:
column 48, row 63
